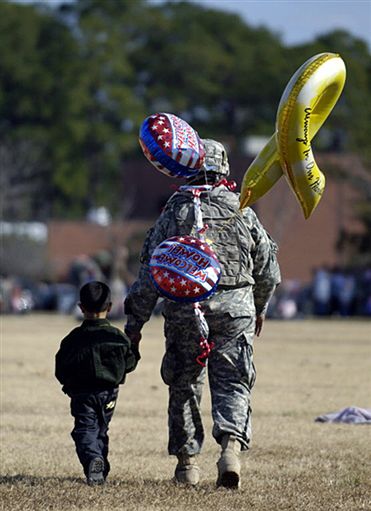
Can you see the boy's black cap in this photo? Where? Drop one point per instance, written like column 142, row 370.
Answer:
column 95, row 296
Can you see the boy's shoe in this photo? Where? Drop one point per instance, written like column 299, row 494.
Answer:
column 229, row 466
column 187, row 470
column 95, row 472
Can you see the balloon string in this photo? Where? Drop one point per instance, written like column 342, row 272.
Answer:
column 206, row 349
column 203, row 327
column 200, row 228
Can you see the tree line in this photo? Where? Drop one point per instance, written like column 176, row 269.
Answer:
column 77, row 80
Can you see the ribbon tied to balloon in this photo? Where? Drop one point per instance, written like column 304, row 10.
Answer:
column 306, row 102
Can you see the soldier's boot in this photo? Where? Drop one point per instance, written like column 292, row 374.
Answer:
column 187, row 470
column 229, row 465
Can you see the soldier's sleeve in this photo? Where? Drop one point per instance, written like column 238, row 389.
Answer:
column 266, row 271
column 142, row 295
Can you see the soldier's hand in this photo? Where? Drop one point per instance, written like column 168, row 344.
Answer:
column 259, row 324
column 135, row 337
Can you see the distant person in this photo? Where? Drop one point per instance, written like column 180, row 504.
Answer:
column 84, row 269
column 91, row 363
column 343, row 289
column 321, row 291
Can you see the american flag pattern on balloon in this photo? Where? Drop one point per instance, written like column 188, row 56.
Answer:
column 185, row 269
column 171, row 145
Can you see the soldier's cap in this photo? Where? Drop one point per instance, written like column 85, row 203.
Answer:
column 216, row 159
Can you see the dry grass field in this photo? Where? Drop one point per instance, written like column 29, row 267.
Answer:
column 305, row 368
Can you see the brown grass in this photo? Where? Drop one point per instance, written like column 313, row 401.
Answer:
column 304, row 369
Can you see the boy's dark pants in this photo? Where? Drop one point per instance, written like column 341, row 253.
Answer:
column 92, row 413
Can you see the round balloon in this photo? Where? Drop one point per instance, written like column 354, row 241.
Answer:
column 171, row 145
column 185, row 269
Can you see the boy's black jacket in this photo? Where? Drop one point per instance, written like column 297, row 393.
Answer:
column 94, row 356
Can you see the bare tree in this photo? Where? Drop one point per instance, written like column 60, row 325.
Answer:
column 22, row 180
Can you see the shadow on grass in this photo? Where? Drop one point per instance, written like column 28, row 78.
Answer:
column 36, row 480
column 158, row 486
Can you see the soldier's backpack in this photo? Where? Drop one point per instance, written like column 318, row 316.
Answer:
column 227, row 233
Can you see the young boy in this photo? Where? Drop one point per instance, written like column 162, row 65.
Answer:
column 92, row 361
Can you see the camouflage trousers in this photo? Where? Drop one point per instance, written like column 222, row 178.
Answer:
column 231, row 375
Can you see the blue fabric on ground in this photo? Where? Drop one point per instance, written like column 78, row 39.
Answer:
column 349, row 415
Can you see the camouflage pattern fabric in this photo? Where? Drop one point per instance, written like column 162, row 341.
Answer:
column 216, row 159
column 231, row 375
column 230, row 314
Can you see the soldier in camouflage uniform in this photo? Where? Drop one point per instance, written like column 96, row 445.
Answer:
column 234, row 314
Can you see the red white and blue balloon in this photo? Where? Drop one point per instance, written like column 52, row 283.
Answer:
column 171, row 145
column 185, row 269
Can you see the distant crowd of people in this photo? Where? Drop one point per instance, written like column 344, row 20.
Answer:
column 336, row 291
column 21, row 295
column 333, row 291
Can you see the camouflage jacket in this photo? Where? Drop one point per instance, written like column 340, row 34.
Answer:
column 177, row 219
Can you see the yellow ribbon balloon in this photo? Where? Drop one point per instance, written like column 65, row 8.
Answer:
column 305, row 104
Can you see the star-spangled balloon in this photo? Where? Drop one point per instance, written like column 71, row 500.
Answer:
column 171, row 145
column 185, row 269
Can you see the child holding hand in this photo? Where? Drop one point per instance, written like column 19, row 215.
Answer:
column 92, row 362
